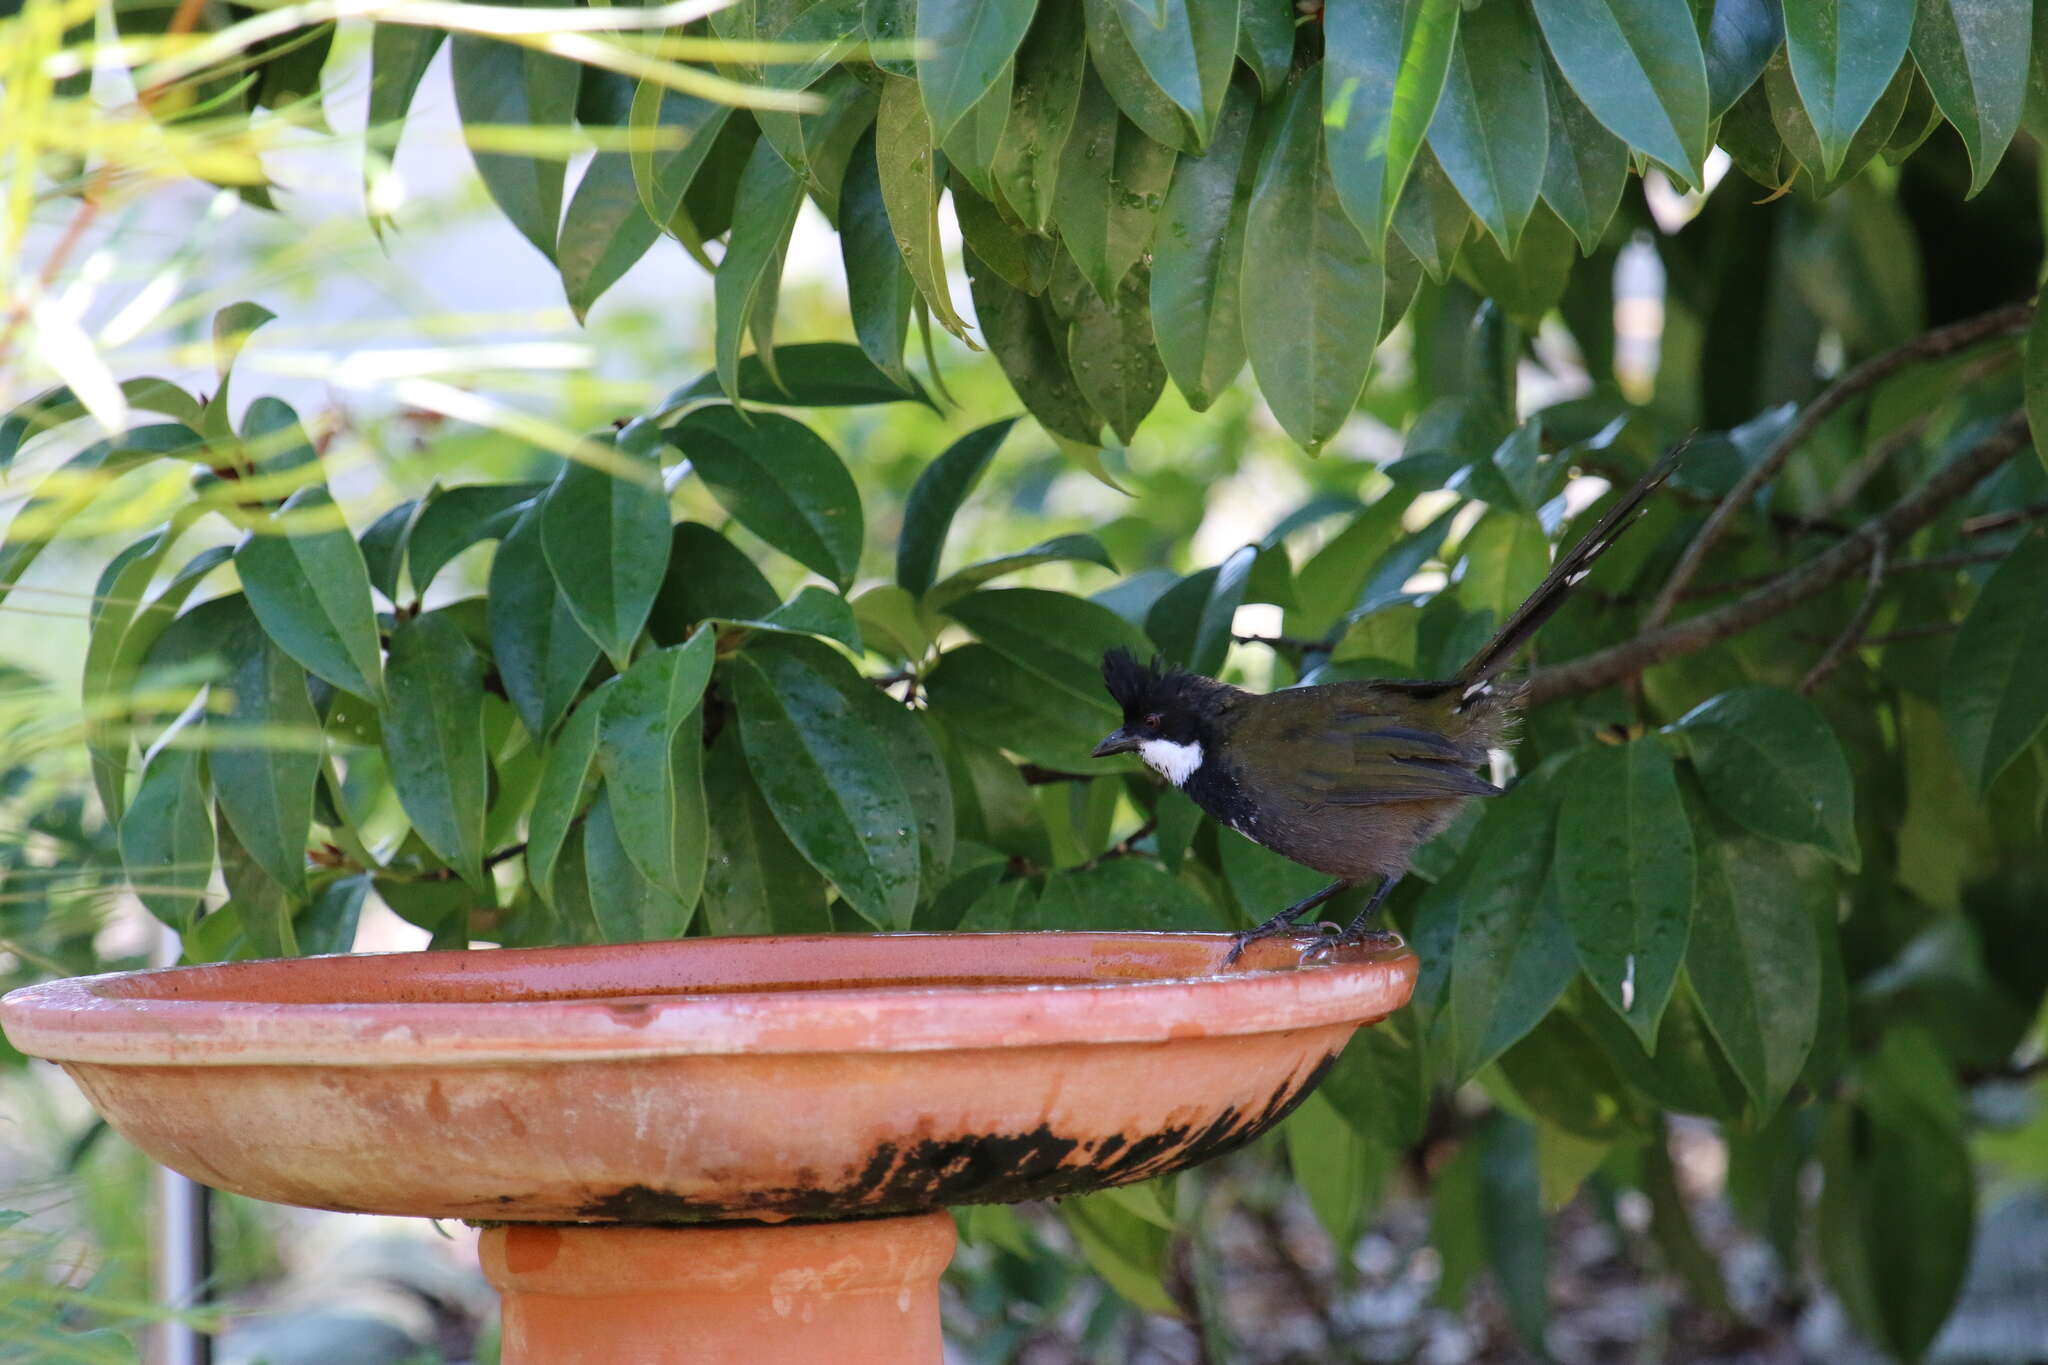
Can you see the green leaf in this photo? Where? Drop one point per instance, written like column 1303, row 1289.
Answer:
column 706, row 576
column 606, row 229
column 1513, row 953
column 266, row 758
column 830, row 782
column 1191, row 620
column 543, row 656
column 328, row 925
column 1114, row 63
column 565, row 778
column 814, row 611
column 454, row 519
column 1122, row 893
column 1492, row 128
column 1312, row 333
column 1994, row 692
column 662, row 174
column 1754, row 959
column 1116, row 363
column 755, row 882
column 780, row 481
column 1383, row 73
column 1768, row 760
column 1842, row 57
column 306, row 581
column 1511, row 1213
column 981, row 692
column 1127, row 1251
column 1637, row 65
column 1112, row 181
column 434, row 739
column 1260, row 880
column 111, row 660
column 1740, row 38
column 905, row 156
column 1030, row 345
column 605, row 534
column 935, row 498
column 627, row 906
column 166, row 837
column 966, row 44
column 810, row 374
column 1265, row 41
column 1587, row 167
column 55, row 407
column 1187, row 48
column 1079, row 549
column 262, row 907
column 2036, row 373
column 1626, row 872
column 1431, row 220
column 1974, row 57
column 650, row 747
column 498, row 84
column 383, row 546
column 1340, row 1170
column 1378, row 1085
column 892, row 22
column 1044, row 93
column 1506, row 555
column 399, row 57
column 879, row 290
column 749, row 274
column 1058, row 637
column 1197, row 257
column 819, row 145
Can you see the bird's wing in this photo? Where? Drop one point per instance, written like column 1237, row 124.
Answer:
column 1362, row 747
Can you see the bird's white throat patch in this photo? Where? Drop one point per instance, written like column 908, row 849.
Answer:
column 1173, row 761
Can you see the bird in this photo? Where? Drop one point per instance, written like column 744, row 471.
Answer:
column 1347, row 778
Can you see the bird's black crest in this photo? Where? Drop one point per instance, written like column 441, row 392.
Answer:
column 1157, row 686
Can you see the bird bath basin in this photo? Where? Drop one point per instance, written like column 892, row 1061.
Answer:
column 711, row 1150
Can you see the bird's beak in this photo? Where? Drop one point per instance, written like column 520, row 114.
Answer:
column 1117, row 742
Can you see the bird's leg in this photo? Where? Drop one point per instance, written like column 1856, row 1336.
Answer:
column 1283, row 921
column 1357, row 932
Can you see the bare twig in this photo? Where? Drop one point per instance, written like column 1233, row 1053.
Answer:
column 1123, row 848
column 1917, row 509
column 1853, row 631
column 1999, row 521
column 1919, row 632
column 1934, row 345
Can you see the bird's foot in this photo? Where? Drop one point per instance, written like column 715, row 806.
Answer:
column 1335, row 938
column 1282, row 923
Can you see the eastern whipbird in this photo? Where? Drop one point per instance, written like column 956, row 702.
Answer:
column 1348, row 778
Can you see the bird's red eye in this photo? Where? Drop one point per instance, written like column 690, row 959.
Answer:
column 1154, row 721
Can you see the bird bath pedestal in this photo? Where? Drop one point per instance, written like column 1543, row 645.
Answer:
column 711, row 1150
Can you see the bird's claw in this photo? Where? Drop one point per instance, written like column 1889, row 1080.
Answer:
column 1334, row 937
column 1244, row 939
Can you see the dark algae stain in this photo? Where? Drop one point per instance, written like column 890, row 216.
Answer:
column 981, row 1168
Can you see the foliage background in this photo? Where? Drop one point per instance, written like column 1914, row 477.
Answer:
column 1764, row 1039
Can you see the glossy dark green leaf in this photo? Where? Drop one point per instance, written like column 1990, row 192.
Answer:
column 809, row 374
column 750, row 273
column 1197, row 258
column 262, row 908
column 1383, row 73
column 893, row 24
column 1186, row 48
column 1754, row 959
column 1511, row 1212
column 816, row 612
column 906, row 160
column 1492, row 128
column 1112, row 183
column 1313, row 291
column 1431, row 219
column 605, row 534
column 543, row 656
column 1587, row 168
column 663, row 171
column 58, row 406
column 628, row 907
column 780, row 481
column 936, row 497
column 650, row 747
column 1974, row 57
column 818, row 145
column 1115, row 363
column 307, row 583
column 454, row 519
column 1340, row 1171
column 1378, row 1085
column 707, row 576
column 1123, row 893
column 1994, row 692
column 606, row 228
column 2036, row 373
column 1058, row 637
column 830, row 783
column 1741, row 36
column 1191, row 620
column 1626, row 874
column 1768, row 760
column 565, row 777
column 755, row 882
column 399, row 57
column 383, row 546
column 1114, row 63
column 1505, row 556
column 111, row 660
column 1265, row 41
column 266, row 757
column 1030, row 345
column 1261, row 881
column 1638, row 66
column 1044, row 92
column 1513, row 954
column 434, row 739
column 166, row 837
column 1078, row 549
column 966, row 46
column 500, row 85
column 879, row 290
column 977, row 691
column 1129, row 1252
column 1842, row 57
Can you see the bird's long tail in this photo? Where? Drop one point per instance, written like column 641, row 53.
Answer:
column 1564, row 575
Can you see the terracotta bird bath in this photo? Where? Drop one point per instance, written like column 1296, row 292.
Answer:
column 711, row 1150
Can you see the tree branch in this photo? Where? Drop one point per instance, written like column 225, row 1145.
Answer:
column 1794, row 586
column 1934, row 345
column 1852, row 632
